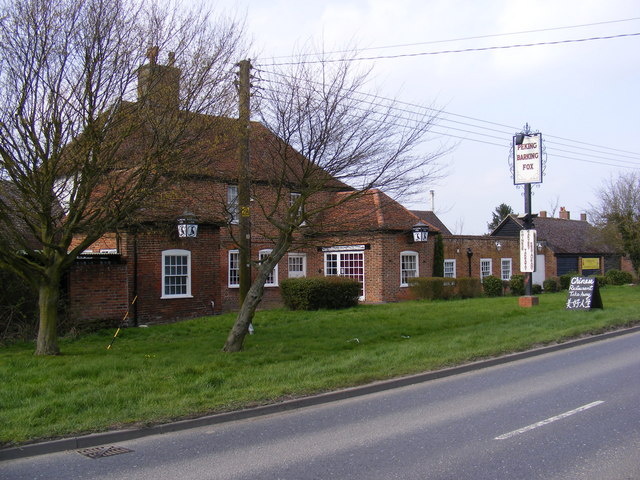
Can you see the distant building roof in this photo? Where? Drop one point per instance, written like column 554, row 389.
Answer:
column 563, row 236
column 430, row 217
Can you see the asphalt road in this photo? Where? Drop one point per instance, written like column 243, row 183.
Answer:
column 571, row 414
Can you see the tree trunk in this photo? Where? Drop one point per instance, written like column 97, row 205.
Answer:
column 49, row 294
column 235, row 339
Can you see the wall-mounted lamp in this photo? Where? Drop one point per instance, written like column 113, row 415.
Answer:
column 498, row 245
column 187, row 226
column 420, row 232
column 540, row 246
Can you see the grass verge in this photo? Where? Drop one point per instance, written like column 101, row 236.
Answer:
column 167, row 372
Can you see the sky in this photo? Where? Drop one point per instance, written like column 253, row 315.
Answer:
column 582, row 96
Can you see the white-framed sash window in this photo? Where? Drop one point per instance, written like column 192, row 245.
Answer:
column 408, row 267
column 297, row 263
column 233, row 271
column 450, row 268
column 506, row 269
column 176, row 274
column 485, row 268
column 233, row 204
column 272, row 279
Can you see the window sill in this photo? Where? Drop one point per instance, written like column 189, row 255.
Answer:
column 170, row 297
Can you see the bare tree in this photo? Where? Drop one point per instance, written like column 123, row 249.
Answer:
column 617, row 213
column 71, row 116
column 330, row 145
column 554, row 206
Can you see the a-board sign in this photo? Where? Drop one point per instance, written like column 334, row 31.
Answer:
column 584, row 294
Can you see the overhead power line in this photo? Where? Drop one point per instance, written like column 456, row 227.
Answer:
column 407, row 111
column 464, row 50
column 460, row 39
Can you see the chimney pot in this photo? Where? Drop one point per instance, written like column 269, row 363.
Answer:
column 564, row 214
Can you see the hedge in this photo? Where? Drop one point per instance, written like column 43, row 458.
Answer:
column 492, row 286
column 320, row 292
column 439, row 288
column 565, row 280
column 617, row 277
column 516, row 285
column 551, row 285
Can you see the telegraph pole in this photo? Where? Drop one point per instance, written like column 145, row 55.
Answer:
column 244, row 178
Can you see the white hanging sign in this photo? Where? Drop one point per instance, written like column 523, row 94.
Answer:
column 527, row 159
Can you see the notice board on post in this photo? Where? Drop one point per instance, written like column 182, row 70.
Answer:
column 584, row 294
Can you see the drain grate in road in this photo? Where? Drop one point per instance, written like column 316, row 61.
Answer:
column 100, row 452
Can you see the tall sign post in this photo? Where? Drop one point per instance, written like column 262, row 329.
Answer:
column 527, row 169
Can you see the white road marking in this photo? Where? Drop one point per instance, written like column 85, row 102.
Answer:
column 549, row 420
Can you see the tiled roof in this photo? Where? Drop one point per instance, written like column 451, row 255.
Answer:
column 562, row 236
column 208, row 160
column 371, row 211
column 209, row 147
column 431, row 218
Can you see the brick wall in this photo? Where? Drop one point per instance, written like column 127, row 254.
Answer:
column 626, row 265
column 393, row 248
column 455, row 247
column 144, row 255
column 97, row 291
column 229, row 297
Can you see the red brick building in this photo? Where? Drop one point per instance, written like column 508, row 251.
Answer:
column 171, row 276
column 151, row 268
column 174, row 278
column 564, row 245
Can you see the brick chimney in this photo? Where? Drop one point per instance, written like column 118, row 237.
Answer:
column 543, row 214
column 583, row 217
column 564, row 214
column 159, row 85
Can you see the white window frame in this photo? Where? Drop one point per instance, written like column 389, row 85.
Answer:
column 503, row 262
column 63, row 188
column 302, row 259
column 233, row 204
column 404, row 272
column 452, row 262
column 484, row 272
column 272, row 279
column 167, row 254
column 293, row 198
column 233, row 273
column 338, row 269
